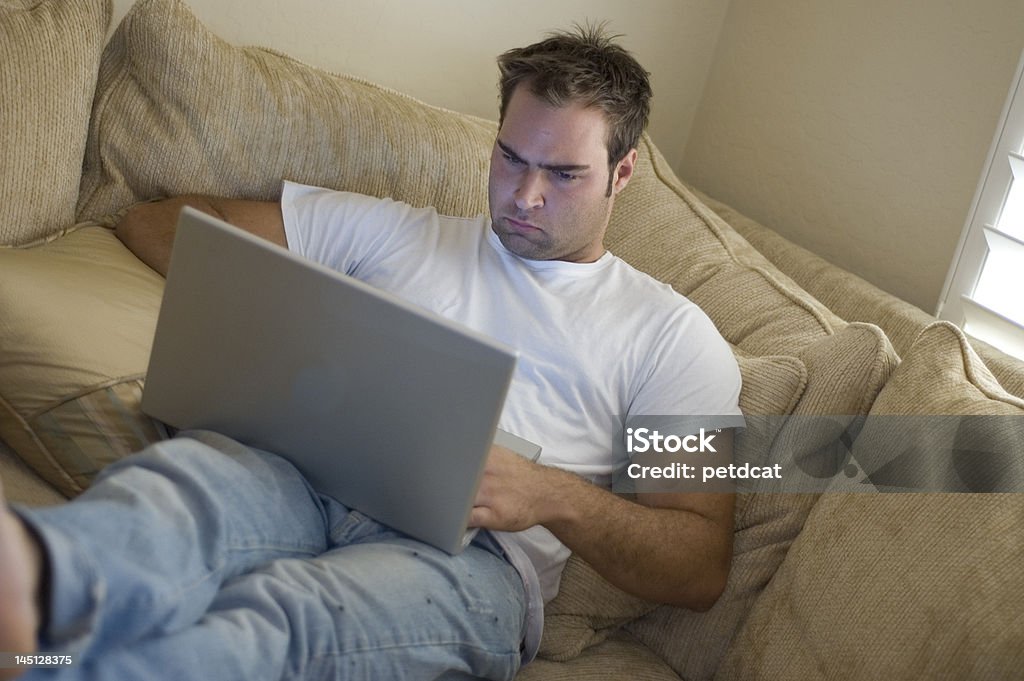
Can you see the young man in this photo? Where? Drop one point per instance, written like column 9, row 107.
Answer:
column 202, row 558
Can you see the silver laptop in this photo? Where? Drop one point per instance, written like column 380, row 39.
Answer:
column 380, row 404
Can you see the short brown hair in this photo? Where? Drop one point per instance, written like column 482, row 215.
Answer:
column 589, row 68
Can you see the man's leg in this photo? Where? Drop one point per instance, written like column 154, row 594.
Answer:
column 20, row 561
column 144, row 551
column 388, row 607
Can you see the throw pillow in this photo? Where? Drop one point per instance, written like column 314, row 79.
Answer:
column 77, row 317
column 872, row 568
column 943, row 423
column 49, row 52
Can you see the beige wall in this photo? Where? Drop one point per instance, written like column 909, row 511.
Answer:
column 442, row 51
column 857, row 128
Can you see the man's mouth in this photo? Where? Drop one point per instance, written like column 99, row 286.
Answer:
column 520, row 226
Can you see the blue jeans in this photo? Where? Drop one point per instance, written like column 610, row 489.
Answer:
column 203, row 559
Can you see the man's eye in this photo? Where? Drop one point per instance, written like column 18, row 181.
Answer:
column 510, row 158
column 564, row 176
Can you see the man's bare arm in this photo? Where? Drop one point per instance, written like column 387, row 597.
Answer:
column 147, row 229
column 667, row 548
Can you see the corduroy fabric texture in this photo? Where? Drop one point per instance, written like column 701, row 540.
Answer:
column 943, row 423
column 942, row 374
column 660, row 227
column 845, row 371
column 77, row 317
column 618, row 658
column 588, row 608
column 925, row 586
column 180, row 111
column 922, row 587
column 49, row 55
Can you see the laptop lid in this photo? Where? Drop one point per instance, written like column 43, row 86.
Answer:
column 380, row 404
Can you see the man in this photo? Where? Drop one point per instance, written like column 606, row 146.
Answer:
column 200, row 558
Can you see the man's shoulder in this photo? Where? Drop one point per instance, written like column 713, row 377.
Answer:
column 646, row 291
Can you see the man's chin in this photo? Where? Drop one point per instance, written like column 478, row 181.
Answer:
column 520, row 245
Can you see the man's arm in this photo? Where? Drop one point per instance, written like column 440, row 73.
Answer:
column 666, row 548
column 147, row 229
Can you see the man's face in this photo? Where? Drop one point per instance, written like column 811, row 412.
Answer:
column 548, row 182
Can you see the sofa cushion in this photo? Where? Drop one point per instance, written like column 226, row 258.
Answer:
column 943, row 423
column 77, row 317
column 619, row 657
column 893, row 586
column 659, row 226
column 942, row 374
column 588, row 608
column 845, row 372
column 903, row 566
column 178, row 110
column 49, row 52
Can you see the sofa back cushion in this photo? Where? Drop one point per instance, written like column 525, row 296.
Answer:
column 178, row 110
column 49, row 55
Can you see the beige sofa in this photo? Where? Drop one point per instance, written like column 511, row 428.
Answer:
column 826, row 583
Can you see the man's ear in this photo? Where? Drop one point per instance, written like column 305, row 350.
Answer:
column 624, row 171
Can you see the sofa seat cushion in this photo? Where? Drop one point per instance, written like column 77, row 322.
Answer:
column 619, row 657
column 77, row 317
column 49, row 56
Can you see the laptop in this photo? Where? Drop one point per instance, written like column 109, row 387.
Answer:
column 384, row 406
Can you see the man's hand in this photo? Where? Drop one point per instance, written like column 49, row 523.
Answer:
column 512, row 492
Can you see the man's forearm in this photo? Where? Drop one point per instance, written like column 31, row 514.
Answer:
column 147, row 229
column 672, row 548
column 665, row 555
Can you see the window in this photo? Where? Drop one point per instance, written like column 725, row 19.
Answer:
column 984, row 291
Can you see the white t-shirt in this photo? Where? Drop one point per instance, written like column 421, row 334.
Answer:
column 597, row 341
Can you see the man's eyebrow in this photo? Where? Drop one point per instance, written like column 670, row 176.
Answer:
column 556, row 167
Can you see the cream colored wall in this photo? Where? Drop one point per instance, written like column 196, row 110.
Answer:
column 857, row 129
column 442, row 51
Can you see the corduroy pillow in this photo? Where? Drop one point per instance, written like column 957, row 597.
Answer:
column 903, row 585
column 943, row 423
column 49, row 55
column 77, row 317
column 893, row 586
column 178, row 110
column 588, row 608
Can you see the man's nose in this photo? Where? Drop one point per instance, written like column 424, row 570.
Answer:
column 530, row 193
